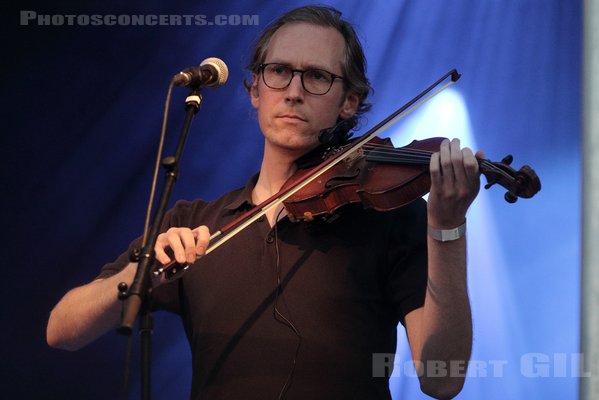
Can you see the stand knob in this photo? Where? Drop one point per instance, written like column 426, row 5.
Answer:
column 122, row 288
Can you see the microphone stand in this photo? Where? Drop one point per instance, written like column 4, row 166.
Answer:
column 137, row 299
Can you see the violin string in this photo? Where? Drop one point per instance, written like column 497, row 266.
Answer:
column 379, row 152
column 375, row 153
column 401, row 152
column 399, row 160
column 402, row 155
column 393, row 149
column 382, row 149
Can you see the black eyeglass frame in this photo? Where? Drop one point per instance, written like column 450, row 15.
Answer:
column 301, row 72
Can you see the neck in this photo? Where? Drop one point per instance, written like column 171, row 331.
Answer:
column 276, row 168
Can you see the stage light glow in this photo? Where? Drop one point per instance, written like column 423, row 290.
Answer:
column 493, row 311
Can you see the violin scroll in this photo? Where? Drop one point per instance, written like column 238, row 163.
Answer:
column 522, row 183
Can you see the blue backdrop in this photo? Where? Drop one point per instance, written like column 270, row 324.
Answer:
column 84, row 105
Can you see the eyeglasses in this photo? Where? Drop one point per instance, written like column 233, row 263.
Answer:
column 314, row 81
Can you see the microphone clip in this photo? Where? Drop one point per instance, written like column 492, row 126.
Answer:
column 337, row 135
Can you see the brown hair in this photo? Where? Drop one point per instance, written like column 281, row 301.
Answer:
column 354, row 62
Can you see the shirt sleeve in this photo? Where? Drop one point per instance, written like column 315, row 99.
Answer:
column 408, row 259
column 166, row 296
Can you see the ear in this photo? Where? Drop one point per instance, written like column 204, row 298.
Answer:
column 254, row 93
column 350, row 105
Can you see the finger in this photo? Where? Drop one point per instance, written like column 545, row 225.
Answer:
column 457, row 160
column 161, row 255
column 202, row 235
column 480, row 155
column 446, row 165
column 174, row 241
column 188, row 240
column 470, row 164
column 435, row 170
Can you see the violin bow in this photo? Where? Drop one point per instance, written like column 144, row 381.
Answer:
column 173, row 269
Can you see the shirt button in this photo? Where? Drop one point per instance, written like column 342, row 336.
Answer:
column 270, row 239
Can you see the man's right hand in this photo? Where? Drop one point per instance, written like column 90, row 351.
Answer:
column 186, row 244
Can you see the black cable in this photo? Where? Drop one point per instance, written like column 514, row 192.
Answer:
column 128, row 353
column 279, row 317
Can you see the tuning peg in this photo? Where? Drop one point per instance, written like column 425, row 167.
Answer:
column 507, row 160
column 510, row 197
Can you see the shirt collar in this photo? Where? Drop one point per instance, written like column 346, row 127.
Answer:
column 244, row 197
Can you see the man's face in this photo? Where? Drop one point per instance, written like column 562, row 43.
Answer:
column 291, row 118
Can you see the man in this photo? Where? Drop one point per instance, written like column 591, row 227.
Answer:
column 298, row 310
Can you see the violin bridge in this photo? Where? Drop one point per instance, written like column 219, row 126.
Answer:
column 350, row 159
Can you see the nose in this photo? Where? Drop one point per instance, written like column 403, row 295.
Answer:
column 295, row 90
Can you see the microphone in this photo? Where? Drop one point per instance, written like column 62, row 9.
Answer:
column 211, row 72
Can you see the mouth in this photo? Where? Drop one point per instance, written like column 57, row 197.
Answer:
column 291, row 117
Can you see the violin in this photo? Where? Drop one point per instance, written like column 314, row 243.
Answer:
column 368, row 170
column 383, row 178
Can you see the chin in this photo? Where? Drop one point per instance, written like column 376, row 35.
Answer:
column 294, row 141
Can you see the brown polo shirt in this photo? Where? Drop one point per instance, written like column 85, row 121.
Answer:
column 321, row 296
